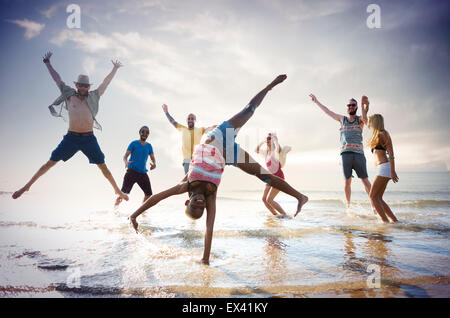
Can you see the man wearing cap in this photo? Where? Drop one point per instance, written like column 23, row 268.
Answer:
column 82, row 107
column 139, row 150
column 191, row 136
column 352, row 149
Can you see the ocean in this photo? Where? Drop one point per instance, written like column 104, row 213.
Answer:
column 75, row 250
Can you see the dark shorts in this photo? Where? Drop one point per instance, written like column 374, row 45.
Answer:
column 72, row 143
column 354, row 161
column 132, row 177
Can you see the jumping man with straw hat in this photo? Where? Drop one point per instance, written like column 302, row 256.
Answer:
column 82, row 107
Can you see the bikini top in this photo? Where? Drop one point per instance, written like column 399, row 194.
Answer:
column 378, row 147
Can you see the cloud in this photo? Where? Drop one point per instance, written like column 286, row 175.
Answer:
column 92, row 42
column 89, row 64
column 32, row 29
column 301, row 10
column 50, row 12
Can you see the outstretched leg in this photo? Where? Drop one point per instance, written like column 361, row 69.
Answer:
column 250, row 166
column 238, row 120
column 36, row 176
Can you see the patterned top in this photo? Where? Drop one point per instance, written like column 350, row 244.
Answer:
column 207, row 164
column 351, row 136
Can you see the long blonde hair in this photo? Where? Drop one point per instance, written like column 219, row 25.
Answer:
column 376, row 123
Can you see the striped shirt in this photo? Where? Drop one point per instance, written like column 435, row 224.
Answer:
column 351, row 136
column 207, row 164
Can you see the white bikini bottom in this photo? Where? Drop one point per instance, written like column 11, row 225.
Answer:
column 384, row 170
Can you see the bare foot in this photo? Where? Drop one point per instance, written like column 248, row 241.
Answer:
column 301, row 202
column 122, row 195
column 18, row 193
column 118, row 201
column 278, row 80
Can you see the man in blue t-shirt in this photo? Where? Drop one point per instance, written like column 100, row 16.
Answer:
column 139, row 150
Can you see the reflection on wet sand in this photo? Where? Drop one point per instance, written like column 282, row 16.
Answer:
column 373, row 248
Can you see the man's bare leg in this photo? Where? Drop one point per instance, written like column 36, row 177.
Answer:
column 366, row 184
column 250, row 166
column 348, row 191
column 42, row 170
column 111, row 180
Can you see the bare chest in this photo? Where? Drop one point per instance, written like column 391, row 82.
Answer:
column 78, row 107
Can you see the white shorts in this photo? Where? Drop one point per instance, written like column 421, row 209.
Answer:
column 384, row 170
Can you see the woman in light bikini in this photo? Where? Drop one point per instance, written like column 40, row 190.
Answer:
column 381, row 146
column 217, row 149
column 275, row 157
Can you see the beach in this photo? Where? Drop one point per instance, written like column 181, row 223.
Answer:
column 326, row 251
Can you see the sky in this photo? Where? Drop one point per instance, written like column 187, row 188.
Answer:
column 210, row 58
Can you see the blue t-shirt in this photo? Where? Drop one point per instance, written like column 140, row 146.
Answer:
column 139, row 155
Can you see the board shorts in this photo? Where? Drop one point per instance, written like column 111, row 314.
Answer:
column 231, row 149
column 72, row 143
column 132, row 177
column 384, row 170
column 354, row 161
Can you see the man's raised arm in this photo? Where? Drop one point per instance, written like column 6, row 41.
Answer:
column 170, row 118
column 51, row 70
column 108, row 79
column 325, row 109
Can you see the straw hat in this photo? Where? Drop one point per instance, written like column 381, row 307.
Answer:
column 83, row 79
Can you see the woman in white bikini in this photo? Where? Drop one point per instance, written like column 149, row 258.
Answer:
column 383, row 152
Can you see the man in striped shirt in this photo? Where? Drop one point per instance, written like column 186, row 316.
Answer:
column 190, row 137
column 352, row 149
